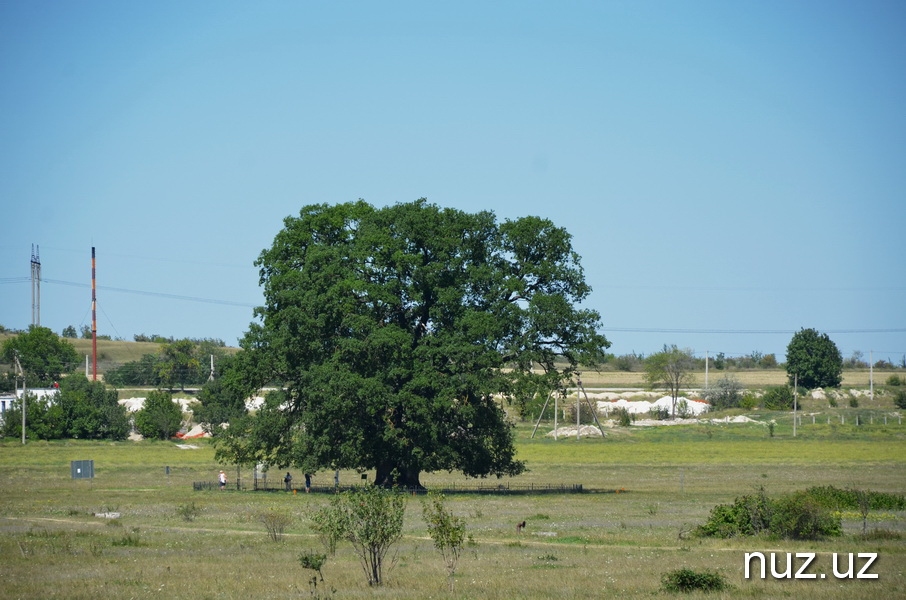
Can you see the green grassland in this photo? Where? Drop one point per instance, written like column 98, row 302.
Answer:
column 646, row 488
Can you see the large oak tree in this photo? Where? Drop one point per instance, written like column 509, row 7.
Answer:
column 392, row 335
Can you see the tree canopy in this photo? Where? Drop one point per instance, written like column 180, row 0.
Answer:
column 159, row 417
column 814, row 359
column 44, row 356
column 392, row 333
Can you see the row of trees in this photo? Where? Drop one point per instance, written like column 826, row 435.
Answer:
column 45, row 358
column 178, row 363
column 89, row 410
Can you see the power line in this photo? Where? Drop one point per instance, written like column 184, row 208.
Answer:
column 744, row 331
column 155, row 294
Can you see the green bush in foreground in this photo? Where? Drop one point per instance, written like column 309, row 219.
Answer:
column 688, row 580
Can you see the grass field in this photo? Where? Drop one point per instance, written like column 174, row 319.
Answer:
column 589, row 545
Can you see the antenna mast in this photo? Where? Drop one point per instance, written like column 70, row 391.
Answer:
column 94, row 320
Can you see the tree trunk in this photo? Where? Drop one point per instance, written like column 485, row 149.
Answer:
column 390, row 476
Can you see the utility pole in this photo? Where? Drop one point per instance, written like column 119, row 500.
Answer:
column 706, row 369
column 871, row 374
column 24, row 393
column 795, row 397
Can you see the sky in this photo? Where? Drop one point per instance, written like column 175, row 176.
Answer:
column 731, row 172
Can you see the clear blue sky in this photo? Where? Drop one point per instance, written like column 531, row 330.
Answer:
column 731, row 171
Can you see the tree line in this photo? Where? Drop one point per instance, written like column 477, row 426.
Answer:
column 391, row 339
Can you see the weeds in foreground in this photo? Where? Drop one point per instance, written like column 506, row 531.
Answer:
column 189, row 511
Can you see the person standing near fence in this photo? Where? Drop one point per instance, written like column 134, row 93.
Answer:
column 222, row 481
column 307, row 483
column 288, row 480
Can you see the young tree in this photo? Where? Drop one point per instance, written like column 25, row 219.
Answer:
column 160, row 417
column 44, row 356
column 390, row 332
column 814, row 359
column 447, row 530
column 725, row 393
column 671, row 368
column 371, row 519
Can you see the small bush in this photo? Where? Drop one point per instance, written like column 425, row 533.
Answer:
column 659, row 413
column 188, row 512
column 899, row 399
column 853, row 402
column 894, row 380
column 622, row 417
column 748, row 515
column 726, row 393
column 313, row 561
column 688, row 580
column 798, row 517
column 275, row 522
column 749, row 401
column 778, row 398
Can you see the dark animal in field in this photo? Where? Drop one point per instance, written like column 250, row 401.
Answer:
column 520, row 527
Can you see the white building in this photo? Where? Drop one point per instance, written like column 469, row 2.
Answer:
column 7, row 399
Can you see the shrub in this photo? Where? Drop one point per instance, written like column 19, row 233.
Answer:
column 894, row 380
column 749, row 401
column 778, row 398
column 726, row 393
column 275, row 522
column 797, row 516
column 622, row 417
column 659, row 413
column 313, row 561
column 748, row 515
column 853, row 402
column 688, row 580
column 899, row 399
